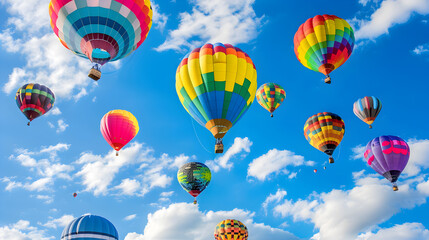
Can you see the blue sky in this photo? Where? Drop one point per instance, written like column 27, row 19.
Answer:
column 265, row 177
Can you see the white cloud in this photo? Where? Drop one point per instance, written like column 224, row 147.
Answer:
column 390, row 13
column 48, row 199
column 54, row 111
column 61, row 126
column 240, row 145
column 129, row 186
column 170, row 222
column 345, row 214
column 274, row 198
column 47, row 61
column 358, row 152
column 23, row 231
column 233, row 21
column 159, row 19
column 130, row 217
column 421, row 49
column 59, row 222
column 167, row 194
column 406, row 231
column 275, row 161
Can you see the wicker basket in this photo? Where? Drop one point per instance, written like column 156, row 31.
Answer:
column 94, row 74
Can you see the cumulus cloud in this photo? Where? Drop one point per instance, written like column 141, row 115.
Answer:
column 63, row 221
column 22, row 230
column 275, row 161
column 406, row 231
column 421, row 49
column 240, row 145
column 130, row 217
column 159, row 19
column 344, row 214
column 388, row 14
column 214, row 21
column 274, row 198
column 170, row 222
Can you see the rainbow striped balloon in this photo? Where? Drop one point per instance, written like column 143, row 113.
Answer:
column 119, row 127
column 323, row 43
column 270, row 96
column 34, row 100
column 367, row 109
column 101, row 30
column 216, row 84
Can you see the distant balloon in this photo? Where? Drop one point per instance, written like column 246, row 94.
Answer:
column 230, row 229
column 34, row 100
column 88, row 227
column 324, row 168
column 118, row 128
column 367, row 109
column 194, row 178
column 101, row 30
column 270, row 96
column 323, row 43
column 324, row 131
column 216, row 84
column 315, row 170
column 74, row 194
column 388, row 155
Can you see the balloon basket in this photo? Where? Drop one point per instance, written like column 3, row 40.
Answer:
column 395, row 188
column 28, row 124
column 370, row 127
column 219, row 148
column 94, row 74
column 117, row 153
column 195, row 201
column 272, row 115
column 331, row 160
column 328, row 80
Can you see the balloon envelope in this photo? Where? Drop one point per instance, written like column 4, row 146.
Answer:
column 101, row 31
column 118, row 128
column 216, row 84
column 34, row 100
column 90, row 227
column 194, row 177
column 367, row 109
column 388, row 156
column 323, row 43
column 231, row 229
column 324, row 131
column 270, row 96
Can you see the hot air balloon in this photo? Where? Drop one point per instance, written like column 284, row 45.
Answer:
column 367, row 109
column 388, row 155
column 323, row 43
column 89, row 227
column 270, row 96
column 315, row 170
column 34, row 100
column 231, row 229
column 101, row 31
column 194, row 178
column 74, row 194
column 324, row 131
column 118, row 128
column 216, row 84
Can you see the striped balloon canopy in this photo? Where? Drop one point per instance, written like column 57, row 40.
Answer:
column 101, row 31
column 90, row 227
column 270, row 96
column 194, row 178
column 323, row 43
column 388, row 156
column 231, row 229
column 216, row 84
column 367, row 109
column 324, row 131
column 34, row 100
column 119, row 127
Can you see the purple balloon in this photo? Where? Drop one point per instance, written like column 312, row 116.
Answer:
column 388, row 155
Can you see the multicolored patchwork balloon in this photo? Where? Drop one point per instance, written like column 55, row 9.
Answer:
column 118, row 128
column 194, row 178
column 216, row 84
column 90, row 227
column 270, row 96
column 367, row 109
column 101, row 31
column 34, row 100
column 323, row 43
column 388, row 155
column 324, row 131
column 231, row 229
